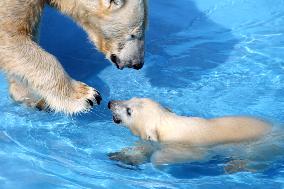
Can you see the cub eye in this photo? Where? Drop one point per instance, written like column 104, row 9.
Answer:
column 128, row 111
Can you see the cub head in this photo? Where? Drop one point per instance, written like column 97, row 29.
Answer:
column 117, row 27
column 141, row 115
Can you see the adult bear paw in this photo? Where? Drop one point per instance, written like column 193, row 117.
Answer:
column 80, row 99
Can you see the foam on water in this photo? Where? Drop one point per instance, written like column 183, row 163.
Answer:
column 203, row 58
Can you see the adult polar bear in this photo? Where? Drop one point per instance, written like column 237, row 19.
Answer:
column 36, row 77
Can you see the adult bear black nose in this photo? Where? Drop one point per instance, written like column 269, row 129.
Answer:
column 116, row 61
column 138, row 66
column 114, row 58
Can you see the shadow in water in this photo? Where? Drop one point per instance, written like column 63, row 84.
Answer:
column 193, row 170
column 182, row 51
column 218, row 166
column 60, row 36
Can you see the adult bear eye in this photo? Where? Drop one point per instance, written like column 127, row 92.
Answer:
column 132, row 36
column 128, row 111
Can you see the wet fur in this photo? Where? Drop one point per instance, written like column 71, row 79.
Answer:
column 184, row 138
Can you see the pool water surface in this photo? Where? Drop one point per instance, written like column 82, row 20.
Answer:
column 203, row 58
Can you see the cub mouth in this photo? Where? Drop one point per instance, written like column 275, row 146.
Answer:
column 116, row 120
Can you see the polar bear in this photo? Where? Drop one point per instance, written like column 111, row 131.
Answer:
column 36, row 78
column 151, row 121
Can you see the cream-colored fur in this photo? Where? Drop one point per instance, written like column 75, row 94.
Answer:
column 115, row 26
column 151, row 121
column 185, row 137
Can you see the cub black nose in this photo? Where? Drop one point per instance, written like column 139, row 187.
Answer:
column 138, row 66
column 109, row 104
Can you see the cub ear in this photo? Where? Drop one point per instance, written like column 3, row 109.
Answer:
column 116, row 4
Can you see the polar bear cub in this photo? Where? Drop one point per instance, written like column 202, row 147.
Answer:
column 151, row 121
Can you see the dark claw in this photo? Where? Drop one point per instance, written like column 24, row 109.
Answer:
column 90, row 102
column 98, row 99
column 41, row 105
column 39, row 108
column 97, row 92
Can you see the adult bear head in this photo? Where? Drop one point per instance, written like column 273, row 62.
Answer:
column 117, row 27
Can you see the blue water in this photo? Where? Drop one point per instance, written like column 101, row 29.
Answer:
column 204, row 58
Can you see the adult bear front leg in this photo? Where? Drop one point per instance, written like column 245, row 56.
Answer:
column 46, row 77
